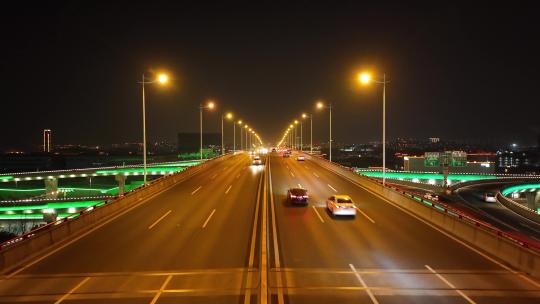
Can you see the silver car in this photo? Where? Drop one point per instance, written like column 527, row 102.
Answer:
column 341, row 205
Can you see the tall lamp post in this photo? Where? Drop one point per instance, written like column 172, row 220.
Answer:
column 161, row 79
column 229, row 116
column 304, row 116
column 296, row 134
column 240, row 124
column 365, row 78
column 321, row 105
column 209, row 105
column 246, row 132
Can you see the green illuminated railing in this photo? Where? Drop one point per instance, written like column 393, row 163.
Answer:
column 519, row 188
column 426, row 176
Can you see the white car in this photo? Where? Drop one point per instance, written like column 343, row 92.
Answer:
column 431, row 196
column 341, row 205
column 301, row 158
column 257, row 160
column 490, row 197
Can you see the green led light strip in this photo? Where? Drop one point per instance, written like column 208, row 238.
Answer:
column 51, row 205
column 516, row 188
column 404, row 175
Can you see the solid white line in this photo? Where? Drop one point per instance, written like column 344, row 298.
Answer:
column 368, row 290
column 280, row 298
column 364, row 214
column 450, row 285
column 332, row 188
column 81, row 283
column 208, row 219
column 195, row 191
column 315, row 209
column 228, row 189
column 159, row 219
column 247, row 294
column 163, row 286
column 237, row 176
column 316, row 175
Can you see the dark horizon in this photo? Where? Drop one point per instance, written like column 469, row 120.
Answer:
column 460, row 71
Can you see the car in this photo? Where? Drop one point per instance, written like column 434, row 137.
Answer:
column 431, row 196
column 285, row 154
column 341, row 205
column 273, row 149
column 257, row 160
column 297, row 196
column 490, row 197
column 301, row 158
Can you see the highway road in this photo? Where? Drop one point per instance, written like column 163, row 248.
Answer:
column 190, row 244
column 382, row 256
column 497, row 214
column 200, row 242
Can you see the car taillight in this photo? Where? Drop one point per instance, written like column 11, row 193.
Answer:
column 305, row 196
column 293, row 196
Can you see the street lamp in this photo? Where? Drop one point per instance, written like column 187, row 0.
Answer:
column 304, row 116
column 161, row 79
column 295, row 134
column 246, row 127
column 229, row 117
column 209, row 105
column 321, row 105
column 365, row 78
column 240, row 124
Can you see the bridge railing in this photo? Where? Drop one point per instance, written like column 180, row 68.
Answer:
column 22, row 248
column 516, row 250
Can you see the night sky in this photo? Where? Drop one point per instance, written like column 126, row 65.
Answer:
column 456, row 72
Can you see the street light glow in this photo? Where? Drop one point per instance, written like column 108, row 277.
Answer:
column 229, row 115
column 320, row 105
column 304, row 115
column 364, row 78
column 239, row 122
column 296, row 122
column 211, row 105
column 163, row 78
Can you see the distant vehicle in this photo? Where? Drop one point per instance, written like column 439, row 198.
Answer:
column 285, row 154
column 297, row 196
column 257, row 160
column 490, row 197
column 431, row 196
column 301, row 158
column 273, row 149
column 341, row 205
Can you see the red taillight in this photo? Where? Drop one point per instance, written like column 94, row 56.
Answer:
column 293, row 196
column 305, row 196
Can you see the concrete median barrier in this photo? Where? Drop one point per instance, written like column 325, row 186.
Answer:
column 517, row 253
column 21, row 250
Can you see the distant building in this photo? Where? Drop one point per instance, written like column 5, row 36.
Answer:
column 47, row 140
column 434, row 140
column 190, row 142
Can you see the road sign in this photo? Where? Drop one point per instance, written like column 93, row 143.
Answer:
column 459, row 159
column 431, row 159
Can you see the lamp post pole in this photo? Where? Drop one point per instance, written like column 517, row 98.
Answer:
column 311, row 136
column 222, row 141
column 384, row 128
column 144, row 128
column 200, row 120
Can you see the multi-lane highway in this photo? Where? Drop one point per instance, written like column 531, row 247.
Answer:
column 211, row 238
column 190, row 243
column 382, row 256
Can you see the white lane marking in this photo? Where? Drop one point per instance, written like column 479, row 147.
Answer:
column 299, row 186
column 208, row 219
column 450, row 285
column 237, row 176
column 332, row 188
column 368, row 290
column 292, row 174
column 315, row 209
column 316, row 175
column 81, row 283
column 228, row 189
column 195, row 191
column 364, row 214
column 213, row 176
column 160, row 291
column 159, row 219
column 247, row 294
column 280, row 298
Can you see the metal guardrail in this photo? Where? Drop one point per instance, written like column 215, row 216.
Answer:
column 443, row 208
